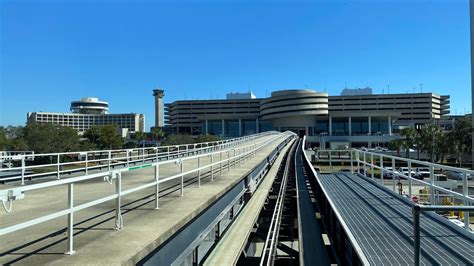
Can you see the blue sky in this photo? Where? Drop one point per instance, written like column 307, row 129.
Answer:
column 52, row 52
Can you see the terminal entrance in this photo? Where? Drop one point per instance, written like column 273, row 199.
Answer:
column 301, row 131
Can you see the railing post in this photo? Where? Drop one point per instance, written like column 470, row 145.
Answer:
column 465, row 193
column 432, row 191
column 23, row 169
column 220, row 164
column 228, row 160
column 57, row 167
column 70, row 219
column 118, row 202
column 182, row 176
column 168, row 153
column 393, row 174
column 365, row 164
column 199, row 171
column 352, row 161
column 358, row 160
column 330, row 160
column 416, row 233
column 381, row 170
column 409, row 180
column 87, row 162
column 128, row 158
column 157, row 187
column 110, row 159
column 372, row 166
column 212, row 167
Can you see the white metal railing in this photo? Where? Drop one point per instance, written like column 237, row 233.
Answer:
column 235, row 156
column 104, row 160
column 372, row 160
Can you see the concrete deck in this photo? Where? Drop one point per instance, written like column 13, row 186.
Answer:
column 230, row 246
column 95, row 241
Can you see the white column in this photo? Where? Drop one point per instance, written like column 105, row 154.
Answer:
column 350, row 126
column 330, row 126
column 240, row 127
column 370, row 125
column 223, row 133
column 389, row 125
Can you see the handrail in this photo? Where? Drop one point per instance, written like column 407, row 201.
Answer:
column 369, row 160
column 417, row 209
column 360, row 254
column 239, row 154
column 93, row 160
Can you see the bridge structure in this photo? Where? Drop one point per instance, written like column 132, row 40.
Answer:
column 255, row 200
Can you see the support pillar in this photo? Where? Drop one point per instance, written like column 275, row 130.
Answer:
column 240, row 127
column 223, row 133
column 350, row 126
column 370, row 125
column 256, row 126
column 207, row 127
column 389, row 125
column 330, row 126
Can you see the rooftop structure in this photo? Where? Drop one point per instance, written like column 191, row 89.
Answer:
column 240, row 95
column 358, row 91
column 89, row 105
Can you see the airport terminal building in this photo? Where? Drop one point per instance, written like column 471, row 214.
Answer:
column 353, row 118
column 89, row 112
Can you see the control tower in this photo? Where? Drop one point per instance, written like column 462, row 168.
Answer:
column 158, row 93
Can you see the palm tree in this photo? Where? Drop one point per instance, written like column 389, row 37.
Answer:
column 140, row 136
column 157, row 134
column 409, row 134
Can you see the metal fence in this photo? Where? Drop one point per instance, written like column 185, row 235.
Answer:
column 387, row 165
column 235, row 156
column 67, row 163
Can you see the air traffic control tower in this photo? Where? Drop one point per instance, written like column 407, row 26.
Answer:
column 158, row 94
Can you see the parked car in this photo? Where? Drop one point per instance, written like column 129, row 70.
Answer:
column 404, row 171
column 389, row 174
column 422, row 172
column 456, row 175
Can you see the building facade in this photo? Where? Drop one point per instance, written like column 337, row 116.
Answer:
column 354, row 119
column 90, row 112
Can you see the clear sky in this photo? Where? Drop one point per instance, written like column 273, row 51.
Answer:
column 52, row 52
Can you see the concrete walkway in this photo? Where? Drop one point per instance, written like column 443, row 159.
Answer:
column 96, row 241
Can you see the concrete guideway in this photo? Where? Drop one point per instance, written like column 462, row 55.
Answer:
column 229, row 248
column 95, row 240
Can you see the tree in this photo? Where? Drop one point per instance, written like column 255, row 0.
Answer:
column 3, row 139
column 207, row 138
column 48, row 138
column 140, row 136
column 428, row 139
column 178, row 139
column 396, row 145
column 104, row 137
column 461, row 136
column 409, row 141
column 157, row 134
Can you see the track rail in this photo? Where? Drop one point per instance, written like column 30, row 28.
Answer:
column 269, row 250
